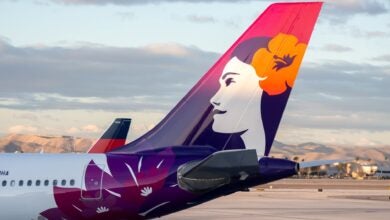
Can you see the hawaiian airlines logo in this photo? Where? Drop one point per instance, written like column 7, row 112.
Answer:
column 282, row 62
column 258, row 65
column 278, row 63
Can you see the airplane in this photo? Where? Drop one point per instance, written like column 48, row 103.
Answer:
column 213, row 143
column 114, row 137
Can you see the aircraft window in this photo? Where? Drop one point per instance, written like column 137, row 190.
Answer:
column 4, row 183
column 12, row 183
column 63, row 182
column 71, row 182
column 29, row 182
column 55, row 182
column 46, row 183
column 38, row 183
column 20, row 182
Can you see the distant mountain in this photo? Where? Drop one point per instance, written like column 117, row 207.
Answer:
column 306, row 151
column 34, row 144
column 314, row 151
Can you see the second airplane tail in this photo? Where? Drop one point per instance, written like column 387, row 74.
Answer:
column 114, row 137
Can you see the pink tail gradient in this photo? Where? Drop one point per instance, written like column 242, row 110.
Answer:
column 239, row 102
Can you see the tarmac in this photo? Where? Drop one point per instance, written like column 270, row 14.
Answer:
column 299, row 199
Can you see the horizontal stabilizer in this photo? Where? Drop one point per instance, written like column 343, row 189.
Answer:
column 218, row 169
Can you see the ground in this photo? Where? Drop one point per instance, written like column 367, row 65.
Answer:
column 293, row 199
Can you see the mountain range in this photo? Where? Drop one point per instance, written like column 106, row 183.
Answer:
column 306, row 151
column 48, row 144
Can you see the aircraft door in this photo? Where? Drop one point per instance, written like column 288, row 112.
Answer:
column 92, row 182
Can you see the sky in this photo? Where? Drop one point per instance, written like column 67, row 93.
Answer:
column 69, row 67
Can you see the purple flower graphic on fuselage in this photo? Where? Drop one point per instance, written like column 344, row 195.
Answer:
column 136, row 187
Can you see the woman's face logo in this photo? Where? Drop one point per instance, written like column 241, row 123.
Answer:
column 237, row 102
column 272, row 65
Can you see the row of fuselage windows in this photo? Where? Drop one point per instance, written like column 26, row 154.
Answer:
column 21, row 183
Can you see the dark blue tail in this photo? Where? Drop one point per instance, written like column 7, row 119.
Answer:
column 113, row 138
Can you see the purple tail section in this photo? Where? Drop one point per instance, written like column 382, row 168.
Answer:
column 239, row 102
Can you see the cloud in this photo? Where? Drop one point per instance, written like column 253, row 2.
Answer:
column 91, row 128
column 18, row 129
column 327, row 95
column 336, row 48
column 385, row 57
column 338, row 9
column 235, row 22
column 86, row 129
column 9, row 102
column 371, row 34
column 41, row 97
column 73, row 130
column 126, row 15
column 201, row 19
column 167, row 49
column 338, row 12
column 134, row 2
column 99, row 77
column 372, row 7
column 26, row 116
column 343, row 137
column 356, row 32
column 340, row 95
column 337, row 120
column 331, row 97
column 335, row 12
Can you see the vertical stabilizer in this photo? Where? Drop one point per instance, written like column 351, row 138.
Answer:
column 113, row 138
column 239, row 102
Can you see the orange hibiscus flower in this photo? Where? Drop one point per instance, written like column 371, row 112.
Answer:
column 279, row 63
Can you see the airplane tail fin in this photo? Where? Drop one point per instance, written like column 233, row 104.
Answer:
column 239, row 102
column 114, row 137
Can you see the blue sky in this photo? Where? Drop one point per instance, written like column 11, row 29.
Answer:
column 71, row 66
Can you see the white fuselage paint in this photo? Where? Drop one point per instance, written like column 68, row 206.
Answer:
column 26, row 202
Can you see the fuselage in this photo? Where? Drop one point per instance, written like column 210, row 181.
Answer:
column 26, row 186
column 139, row 185
column 74, row 186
